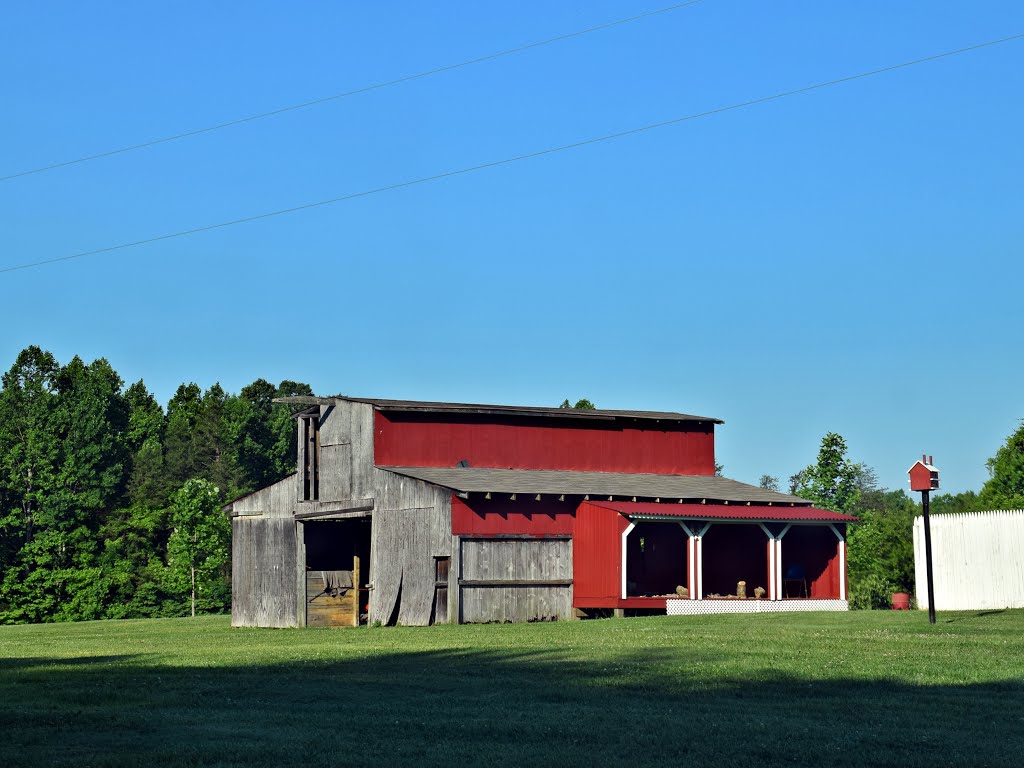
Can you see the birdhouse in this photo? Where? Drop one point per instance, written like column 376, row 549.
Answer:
column 923, row 475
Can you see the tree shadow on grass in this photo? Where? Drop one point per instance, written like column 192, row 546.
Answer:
column 472, row 707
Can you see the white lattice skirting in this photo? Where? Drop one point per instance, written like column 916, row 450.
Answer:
column 679, row 607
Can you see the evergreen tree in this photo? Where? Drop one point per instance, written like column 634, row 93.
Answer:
column 28, row 469
column 68, row 458
column 144, row 438
column 181, row 461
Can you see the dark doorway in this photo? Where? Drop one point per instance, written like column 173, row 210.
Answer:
column 337, row 572
column 656, row 559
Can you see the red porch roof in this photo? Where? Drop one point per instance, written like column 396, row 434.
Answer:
column 726, row 511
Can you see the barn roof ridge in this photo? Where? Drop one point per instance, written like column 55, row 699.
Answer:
column 426, row 406
column 582, row 483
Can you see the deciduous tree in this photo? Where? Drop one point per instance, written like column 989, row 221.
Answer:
column 1005, row 486
column 198, row 549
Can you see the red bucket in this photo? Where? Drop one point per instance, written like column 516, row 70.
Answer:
column 901, row 601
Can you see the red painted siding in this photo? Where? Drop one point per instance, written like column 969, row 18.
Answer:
column 495, row 517
column 433, row 440
column 597, row 557
column 816, row 549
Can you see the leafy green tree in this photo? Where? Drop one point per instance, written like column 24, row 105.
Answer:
column 1005, row 486
column 198, row 548
column 834, row 482
column 583, row 404
column 768, row 482
column 949, row 503
column 880, row 548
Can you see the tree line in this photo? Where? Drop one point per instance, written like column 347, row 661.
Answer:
column 110, row 505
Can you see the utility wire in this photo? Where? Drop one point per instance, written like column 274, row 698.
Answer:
column 346, row 94
column 527, row 156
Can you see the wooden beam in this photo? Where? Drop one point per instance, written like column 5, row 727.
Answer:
column 336, row 510
column 507, row 536
column 515, row 582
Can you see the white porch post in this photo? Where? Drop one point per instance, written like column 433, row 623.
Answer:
column 625, row 535
column 842, row 561
column 778, row 562
column 691, row 565
column 772, row 543
column 700, row 561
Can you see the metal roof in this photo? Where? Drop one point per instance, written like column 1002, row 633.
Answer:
column 546, row 481
column 725, row 512
column 416, row 406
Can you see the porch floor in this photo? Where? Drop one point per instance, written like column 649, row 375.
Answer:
column 684, row 607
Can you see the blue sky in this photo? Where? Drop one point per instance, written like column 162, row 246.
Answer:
column 845, row 260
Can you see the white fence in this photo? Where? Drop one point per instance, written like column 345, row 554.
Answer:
column 977, row 560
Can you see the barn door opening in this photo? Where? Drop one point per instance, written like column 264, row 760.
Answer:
column 337, row 572
column 656, row 559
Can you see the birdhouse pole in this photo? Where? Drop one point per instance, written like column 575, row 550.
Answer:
column 924, row 477
column 928, row 557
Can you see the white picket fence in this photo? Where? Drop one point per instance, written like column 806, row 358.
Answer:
column 977, row 560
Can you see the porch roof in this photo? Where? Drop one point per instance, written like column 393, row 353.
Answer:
column 738, row 512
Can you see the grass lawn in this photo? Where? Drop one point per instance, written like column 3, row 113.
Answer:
column 882, row 688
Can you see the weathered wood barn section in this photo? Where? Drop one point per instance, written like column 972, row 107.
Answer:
column 415, row 513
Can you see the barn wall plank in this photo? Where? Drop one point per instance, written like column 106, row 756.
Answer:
column 263, row 573
column 277, row 500
column 510, row 569
column 411, row 527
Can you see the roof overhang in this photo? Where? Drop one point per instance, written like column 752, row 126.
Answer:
column 747, row 513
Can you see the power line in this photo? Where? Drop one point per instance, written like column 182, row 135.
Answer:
column 518, row 158
column 346, row 94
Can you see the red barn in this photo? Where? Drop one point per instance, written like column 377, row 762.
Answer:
column 416, row 513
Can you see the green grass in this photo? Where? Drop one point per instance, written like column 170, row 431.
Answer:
column 882, row 688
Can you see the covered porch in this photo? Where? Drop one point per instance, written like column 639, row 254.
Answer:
column 730, row 558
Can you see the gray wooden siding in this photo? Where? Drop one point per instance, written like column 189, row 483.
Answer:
column 263, row 568
column 277, row 500
column 502, row 580
column 346, row 445
column 412, row 525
